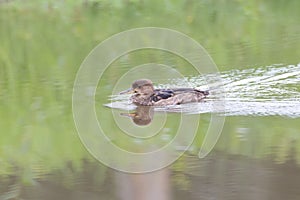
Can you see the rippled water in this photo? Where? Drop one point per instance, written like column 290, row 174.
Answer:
column 261, row 91
column 257, row 155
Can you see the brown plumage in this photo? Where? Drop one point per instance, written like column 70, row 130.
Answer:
column 144, row 94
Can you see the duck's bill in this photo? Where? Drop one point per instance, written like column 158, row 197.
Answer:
column 128, row 91
column 131, row 115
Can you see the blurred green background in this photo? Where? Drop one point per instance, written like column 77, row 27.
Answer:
column 43, row 43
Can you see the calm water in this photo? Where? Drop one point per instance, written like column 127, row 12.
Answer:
column 256, row 48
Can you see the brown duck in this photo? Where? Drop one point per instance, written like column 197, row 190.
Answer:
column 144, row 94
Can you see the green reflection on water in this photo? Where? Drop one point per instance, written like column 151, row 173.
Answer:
column 42, row 46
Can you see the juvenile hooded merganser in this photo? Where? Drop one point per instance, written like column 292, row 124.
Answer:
column 144, row 94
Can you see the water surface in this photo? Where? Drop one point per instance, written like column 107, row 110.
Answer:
column 262, row 91
column 255, row 45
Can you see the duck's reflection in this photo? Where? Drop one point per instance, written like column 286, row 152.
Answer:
column 142, row 115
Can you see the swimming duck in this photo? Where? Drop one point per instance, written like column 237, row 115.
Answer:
column 144, row 94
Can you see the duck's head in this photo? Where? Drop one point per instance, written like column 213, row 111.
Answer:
column 141, row 87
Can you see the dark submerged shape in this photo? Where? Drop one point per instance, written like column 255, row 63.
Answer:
column 144, row 94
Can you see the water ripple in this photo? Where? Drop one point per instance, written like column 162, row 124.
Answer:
column 261, row 91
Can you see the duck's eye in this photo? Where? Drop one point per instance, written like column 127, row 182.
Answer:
column 135, row 91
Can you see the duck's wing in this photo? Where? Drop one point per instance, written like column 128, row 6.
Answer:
column 160, row 94
column 186, row 90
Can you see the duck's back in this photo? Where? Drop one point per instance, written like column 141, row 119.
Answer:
column 163, row 97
